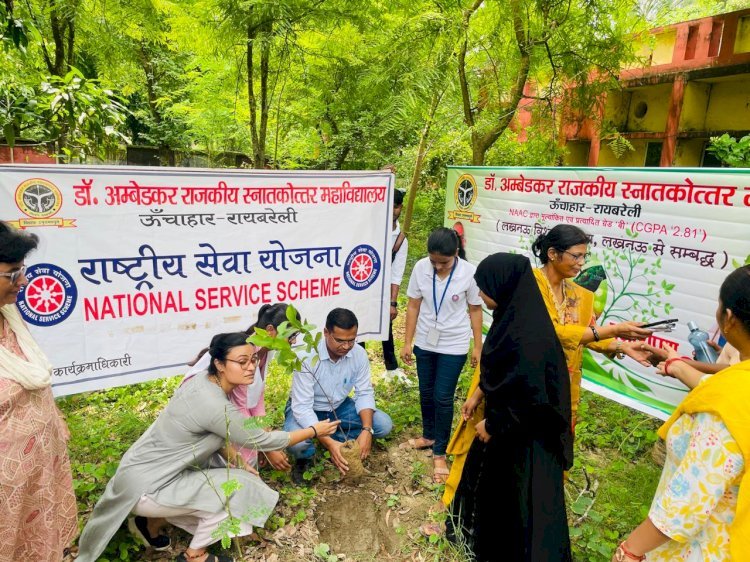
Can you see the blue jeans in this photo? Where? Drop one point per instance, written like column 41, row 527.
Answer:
column 351, row 426
column 438, row 375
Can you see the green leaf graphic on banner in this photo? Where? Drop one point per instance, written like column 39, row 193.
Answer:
column 638, row 385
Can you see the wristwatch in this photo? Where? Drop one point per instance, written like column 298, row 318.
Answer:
column 394, row 304
column 369, row 429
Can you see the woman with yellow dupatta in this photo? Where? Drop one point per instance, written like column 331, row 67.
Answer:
column 563, row 251
column 701, row 509
column 472, row 412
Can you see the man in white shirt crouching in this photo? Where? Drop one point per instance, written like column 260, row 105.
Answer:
column 321, row 391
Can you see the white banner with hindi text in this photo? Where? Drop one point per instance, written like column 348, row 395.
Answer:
column 665, row 239
column 138, row 268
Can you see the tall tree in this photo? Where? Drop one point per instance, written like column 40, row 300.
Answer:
column 529, row 48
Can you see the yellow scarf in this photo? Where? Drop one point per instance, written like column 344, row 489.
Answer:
column 727, row 395
column 461, row 442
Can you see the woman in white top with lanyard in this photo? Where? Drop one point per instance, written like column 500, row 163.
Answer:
column 443, row 314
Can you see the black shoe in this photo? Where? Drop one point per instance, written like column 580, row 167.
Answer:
column 138, row 527
column 298, row 471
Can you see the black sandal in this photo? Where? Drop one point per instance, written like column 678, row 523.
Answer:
column 138, row 527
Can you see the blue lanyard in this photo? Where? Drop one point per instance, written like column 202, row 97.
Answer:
column 445, row 290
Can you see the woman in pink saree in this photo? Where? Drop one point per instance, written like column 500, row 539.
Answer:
column 38, row 520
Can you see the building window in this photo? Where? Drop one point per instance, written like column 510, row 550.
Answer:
column 653, row 154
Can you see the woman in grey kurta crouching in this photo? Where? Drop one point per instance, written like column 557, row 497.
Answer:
column 167, row 473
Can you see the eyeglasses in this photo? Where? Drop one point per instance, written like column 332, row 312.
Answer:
column 349, row 343
column 15, row 275
column 578, row 257
column 245, row 363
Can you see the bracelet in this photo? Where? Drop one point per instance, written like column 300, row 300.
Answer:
column 596, row 334
column 622, row 552
column 668, row 362
column 618, row 350
column 394, row 304
column 315, row 431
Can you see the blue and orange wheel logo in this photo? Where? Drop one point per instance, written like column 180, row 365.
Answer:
column 362, row 267
column 50, row 297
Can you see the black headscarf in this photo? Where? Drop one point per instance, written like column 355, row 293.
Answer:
column 523, row 369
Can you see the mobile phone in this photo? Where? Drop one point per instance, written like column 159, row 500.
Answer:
column 662, row 328
column 660, row 323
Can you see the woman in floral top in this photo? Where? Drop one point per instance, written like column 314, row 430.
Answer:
column 700, row 512
column 563, row 251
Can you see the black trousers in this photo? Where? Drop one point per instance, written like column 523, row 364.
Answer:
column 389, row 350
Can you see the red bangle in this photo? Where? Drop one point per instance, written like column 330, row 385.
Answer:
column 629, row 554
column 668, row 362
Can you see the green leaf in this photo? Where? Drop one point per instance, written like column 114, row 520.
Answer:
column 230, row 486
column 291, row 315
column 10, row 134
column 581, row 504
column 322, row 550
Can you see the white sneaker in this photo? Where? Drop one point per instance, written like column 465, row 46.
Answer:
column 397, row 374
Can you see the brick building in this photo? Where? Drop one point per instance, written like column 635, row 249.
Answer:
column 695, row 85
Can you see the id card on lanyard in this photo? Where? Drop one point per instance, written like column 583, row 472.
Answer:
column 433, row 334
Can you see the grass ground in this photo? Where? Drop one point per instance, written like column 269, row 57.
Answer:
column 609, row 489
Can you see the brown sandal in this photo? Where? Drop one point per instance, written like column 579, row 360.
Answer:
column 412, row 444
column 440, row 475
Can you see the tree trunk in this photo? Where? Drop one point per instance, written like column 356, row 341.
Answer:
column 482, row 142
column 477, row 151
column 265, row 55
column 252, row 102
column 258, row 130
column 62, row 23
column 421, row 153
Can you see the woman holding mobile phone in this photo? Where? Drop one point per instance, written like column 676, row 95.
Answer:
column 563, row 251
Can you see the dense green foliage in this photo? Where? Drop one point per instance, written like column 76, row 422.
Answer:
column 303, row 83
column 731, row 151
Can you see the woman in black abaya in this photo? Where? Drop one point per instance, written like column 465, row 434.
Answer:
column 510, row 503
